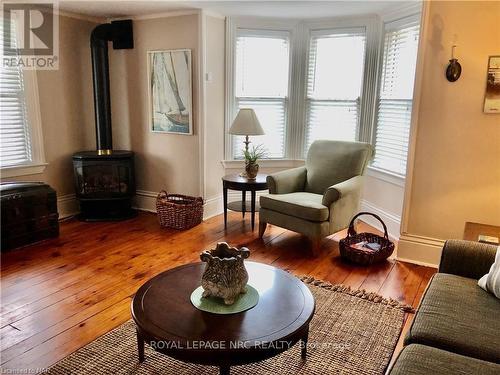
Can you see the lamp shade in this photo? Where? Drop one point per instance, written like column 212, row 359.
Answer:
column 246, row 123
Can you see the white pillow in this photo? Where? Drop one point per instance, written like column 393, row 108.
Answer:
column 491, row 281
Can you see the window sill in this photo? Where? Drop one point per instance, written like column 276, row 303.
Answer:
column 385, row 176
column 23, row 170
column 265, row 163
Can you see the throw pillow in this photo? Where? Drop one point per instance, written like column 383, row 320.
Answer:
column 491, row 281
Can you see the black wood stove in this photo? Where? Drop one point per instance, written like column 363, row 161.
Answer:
column 105, row 178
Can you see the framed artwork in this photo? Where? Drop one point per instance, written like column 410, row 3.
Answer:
column 492, row 95
column 170, row 91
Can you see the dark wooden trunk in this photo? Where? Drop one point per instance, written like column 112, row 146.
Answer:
column 29, row 213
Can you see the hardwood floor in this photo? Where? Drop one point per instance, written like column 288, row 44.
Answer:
column 61, row 294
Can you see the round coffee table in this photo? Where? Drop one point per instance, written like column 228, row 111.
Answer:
column 170, row 324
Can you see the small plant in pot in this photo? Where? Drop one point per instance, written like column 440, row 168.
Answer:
column 251, row 159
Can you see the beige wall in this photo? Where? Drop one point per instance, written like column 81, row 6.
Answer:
column 456, row 175
column 214, row 106
column 163, row 161
column 66, row 106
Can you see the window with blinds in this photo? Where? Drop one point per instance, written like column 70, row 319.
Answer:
column 394, row 103
column 335, row 76
column 261, row 83
column 15, row 147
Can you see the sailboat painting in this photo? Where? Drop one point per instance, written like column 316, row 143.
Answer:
column 170, row 91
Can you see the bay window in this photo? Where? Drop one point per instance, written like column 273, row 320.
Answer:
column 341, row 79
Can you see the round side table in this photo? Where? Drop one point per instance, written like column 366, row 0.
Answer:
column 243, row 184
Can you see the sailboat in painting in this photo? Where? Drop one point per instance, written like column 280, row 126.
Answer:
column 171, row 91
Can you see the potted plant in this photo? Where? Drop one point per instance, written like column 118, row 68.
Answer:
column 251, row 158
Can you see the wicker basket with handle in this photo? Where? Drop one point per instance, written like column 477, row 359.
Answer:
column 178, row 211
column 353, row 250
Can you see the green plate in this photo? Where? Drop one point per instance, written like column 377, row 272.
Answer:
column 216, row 305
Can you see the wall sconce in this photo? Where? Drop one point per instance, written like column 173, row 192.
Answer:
column 454, row 69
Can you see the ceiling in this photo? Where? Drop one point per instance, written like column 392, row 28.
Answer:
column 279, row 9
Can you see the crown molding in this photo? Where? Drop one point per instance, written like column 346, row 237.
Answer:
column 77, row 16
column 152, row 16
column 401, row 11
column 213, row 14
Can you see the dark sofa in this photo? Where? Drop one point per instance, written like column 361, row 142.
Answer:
column 456, row 329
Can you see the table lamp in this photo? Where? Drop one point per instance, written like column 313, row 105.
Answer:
column 246, row 123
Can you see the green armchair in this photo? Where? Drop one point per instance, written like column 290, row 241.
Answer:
column 320, row 198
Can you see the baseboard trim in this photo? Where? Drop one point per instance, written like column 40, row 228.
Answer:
column 213, row 207
column 421, row 250
column 392, row 221
column 145, row 201
column 67, row 205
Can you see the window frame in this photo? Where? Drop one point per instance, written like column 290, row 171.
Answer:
column 259, row 27
column 316, row 33
column 372, row 27
column 34, row 128
column 286, row 35
column 396, row 20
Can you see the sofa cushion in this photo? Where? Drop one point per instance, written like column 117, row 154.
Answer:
column 418, row 359
column 304, row 205
column 455, row 314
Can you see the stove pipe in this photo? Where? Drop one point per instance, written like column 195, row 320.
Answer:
column 121, row 34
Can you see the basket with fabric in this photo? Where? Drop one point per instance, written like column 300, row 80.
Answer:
column 365, row 248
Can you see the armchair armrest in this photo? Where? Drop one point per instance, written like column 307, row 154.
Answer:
column 289, row 181
column 467, row 258
column 337, row 191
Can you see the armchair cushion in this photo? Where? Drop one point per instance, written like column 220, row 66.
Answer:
column 331, row 162
column 304, row 205
column 289, row 181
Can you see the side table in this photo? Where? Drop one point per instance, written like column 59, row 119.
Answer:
column 473, row 230
column 243, row 184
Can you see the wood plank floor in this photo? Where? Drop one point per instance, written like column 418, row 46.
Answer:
column 63, row 293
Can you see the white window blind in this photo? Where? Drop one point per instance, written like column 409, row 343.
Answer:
column 15, row 148
column 396, row 95
column 335, row 76
column 261, row 83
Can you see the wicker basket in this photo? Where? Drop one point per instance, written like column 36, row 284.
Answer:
column 364, row 255
column 178, row 211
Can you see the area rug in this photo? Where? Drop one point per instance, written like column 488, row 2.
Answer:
column 352, row 332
